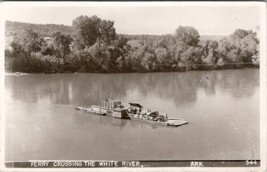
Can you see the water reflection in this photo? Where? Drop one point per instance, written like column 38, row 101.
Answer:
column 219, row 105
column 85, row 89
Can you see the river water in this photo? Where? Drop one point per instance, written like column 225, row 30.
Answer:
column 222, row 108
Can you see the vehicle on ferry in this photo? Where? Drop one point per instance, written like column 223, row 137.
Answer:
column 136, row 112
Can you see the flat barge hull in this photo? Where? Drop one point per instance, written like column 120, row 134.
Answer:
column 171, row 122
column 94, row 110
column 103, row 112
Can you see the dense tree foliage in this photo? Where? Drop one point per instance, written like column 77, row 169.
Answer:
column 94, row 46
column 187, row 35
column 89, row 30
column 61, row 44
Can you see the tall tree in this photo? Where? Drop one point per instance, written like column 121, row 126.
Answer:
column 107, row 32
column 209, row 54
column 240, row 34
column 240, row 47
column 86, row 30
column 61, row 44
column 31, row 41
column 187, row 35
column 90, row 30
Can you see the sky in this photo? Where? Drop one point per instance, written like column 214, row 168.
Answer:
column 146, row 18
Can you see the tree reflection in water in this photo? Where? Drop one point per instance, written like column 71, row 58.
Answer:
column 86, row 89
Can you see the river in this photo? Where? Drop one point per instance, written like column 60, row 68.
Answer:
column 222, row 108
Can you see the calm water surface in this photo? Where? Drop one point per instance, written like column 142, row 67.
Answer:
column 222, row 108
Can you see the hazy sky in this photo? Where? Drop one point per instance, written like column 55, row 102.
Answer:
column 136, row 19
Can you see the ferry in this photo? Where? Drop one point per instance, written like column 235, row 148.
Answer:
column 114, row 108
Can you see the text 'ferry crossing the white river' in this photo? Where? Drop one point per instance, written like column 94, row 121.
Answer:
column 114, row 108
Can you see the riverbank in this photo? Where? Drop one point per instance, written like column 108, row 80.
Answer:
column 16, row 73
column 206, row 68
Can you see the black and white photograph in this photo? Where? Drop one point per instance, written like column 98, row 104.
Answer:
column 133, row 85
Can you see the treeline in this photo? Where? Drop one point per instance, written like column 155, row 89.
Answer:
column 94, row 46
column 19, row 28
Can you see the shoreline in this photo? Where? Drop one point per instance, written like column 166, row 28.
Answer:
column 17, row 73
column 24, row 73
